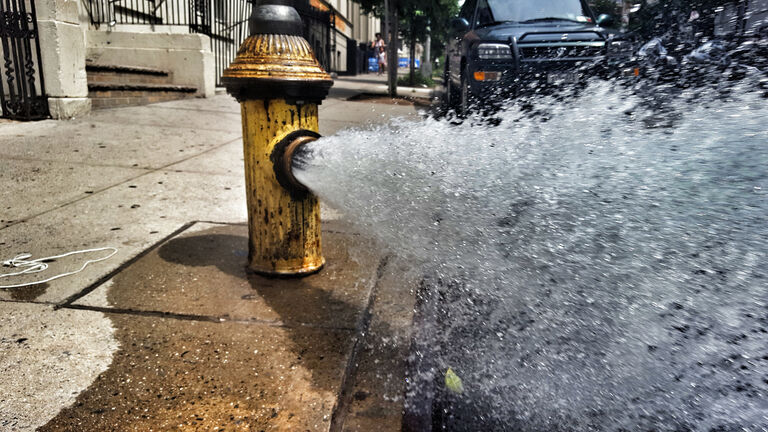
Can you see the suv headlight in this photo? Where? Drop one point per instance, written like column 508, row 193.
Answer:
column 493, row 51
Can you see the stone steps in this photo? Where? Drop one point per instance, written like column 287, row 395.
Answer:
column 111, row 86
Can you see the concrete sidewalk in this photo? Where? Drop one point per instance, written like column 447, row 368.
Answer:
column 376, row 84
column 170, row 333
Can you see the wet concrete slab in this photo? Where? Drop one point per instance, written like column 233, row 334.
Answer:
column 374, row 400
column 202, row 272
column 204, row 344
column 327, row 352
column 173, row 374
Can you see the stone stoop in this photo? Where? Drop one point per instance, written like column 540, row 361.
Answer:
column 112, row 86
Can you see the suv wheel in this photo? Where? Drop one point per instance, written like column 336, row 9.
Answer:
column 467, row 100
column 451, row 94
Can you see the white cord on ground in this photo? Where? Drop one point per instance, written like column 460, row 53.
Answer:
column 39, row 265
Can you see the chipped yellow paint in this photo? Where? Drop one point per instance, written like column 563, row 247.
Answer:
column 284, row 231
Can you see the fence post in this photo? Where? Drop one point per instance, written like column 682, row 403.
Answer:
column 62, row 47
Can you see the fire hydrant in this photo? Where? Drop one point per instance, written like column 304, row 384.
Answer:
column 279, row 84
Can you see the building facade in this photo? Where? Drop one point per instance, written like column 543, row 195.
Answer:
column 63, row 57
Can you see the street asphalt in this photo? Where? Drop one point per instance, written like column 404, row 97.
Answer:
column 170, row 332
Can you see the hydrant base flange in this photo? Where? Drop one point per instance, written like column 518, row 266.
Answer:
column 287, row 274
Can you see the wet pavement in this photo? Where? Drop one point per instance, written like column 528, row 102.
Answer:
column 204, row 344
column 171, row 332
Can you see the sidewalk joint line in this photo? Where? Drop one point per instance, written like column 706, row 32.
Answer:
column 145, row 313
column 94, row 164
column 90, row 288
column 222, row 223
column 198, row 110
column 42, row 303
column 128, row 180
column 165, row 126
column 200, row 318
column 339, row 414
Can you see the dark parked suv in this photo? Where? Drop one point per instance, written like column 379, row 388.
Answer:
column 502, row 46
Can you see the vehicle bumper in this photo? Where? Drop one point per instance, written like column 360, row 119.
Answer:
column 514, row 78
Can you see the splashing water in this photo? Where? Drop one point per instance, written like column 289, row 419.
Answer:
column 596, row 273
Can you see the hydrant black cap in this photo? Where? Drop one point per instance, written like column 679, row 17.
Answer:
column 275, row 19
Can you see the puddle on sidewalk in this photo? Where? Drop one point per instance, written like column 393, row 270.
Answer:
column 29, row 293
column 204, row 345
column 191, row 375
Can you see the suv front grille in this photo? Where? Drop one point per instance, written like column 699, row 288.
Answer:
column 555, row 53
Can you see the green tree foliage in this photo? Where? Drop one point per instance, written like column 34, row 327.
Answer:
column 610, row 7
column 375, row 7
column 432, row 14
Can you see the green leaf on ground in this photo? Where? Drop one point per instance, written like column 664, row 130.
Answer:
column 453, row 382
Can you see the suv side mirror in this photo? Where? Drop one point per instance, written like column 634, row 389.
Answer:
column 459, row 25
column 605, row 20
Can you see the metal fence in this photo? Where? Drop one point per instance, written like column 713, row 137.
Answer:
column 225, row 22
column 22, row 90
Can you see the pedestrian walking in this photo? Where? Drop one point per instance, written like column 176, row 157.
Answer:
column 382, row 60
column 380, row 51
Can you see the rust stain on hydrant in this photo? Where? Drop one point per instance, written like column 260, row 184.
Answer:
column 279, row 84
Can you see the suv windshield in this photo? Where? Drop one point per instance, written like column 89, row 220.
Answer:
column 521, row 11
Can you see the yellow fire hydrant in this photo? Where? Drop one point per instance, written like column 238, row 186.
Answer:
column 279, row 84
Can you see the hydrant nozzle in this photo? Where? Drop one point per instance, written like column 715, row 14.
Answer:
column 279, row 84
column 286, row 155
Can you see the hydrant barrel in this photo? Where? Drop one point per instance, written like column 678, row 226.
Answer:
column 279, row 84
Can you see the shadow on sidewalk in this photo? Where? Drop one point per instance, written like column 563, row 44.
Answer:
column 190, row 371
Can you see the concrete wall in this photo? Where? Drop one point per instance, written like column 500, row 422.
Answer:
column 365, row 26
column 339, row 61
column 66, row 42
column 187, row 56
column 62, row 46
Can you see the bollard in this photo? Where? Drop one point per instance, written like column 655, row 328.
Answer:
column 279, row 84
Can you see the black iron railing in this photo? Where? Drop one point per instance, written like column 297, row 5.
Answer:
column 225, row 22
column 22, row 90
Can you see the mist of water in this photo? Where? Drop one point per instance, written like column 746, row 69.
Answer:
column 603, row 266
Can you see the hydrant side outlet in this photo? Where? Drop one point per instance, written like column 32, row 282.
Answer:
column 279, row 84
column 283, row 160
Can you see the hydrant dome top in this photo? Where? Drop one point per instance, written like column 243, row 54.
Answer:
column 275, row 19
column 276, row 62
